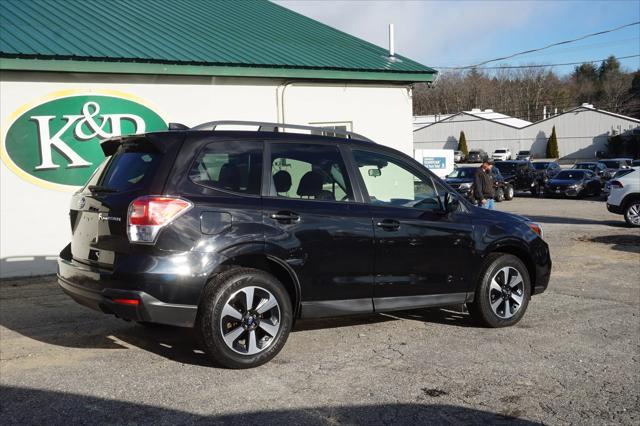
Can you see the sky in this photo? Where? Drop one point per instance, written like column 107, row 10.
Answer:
column 461, row 33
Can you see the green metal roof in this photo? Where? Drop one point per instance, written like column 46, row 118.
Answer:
column 197, row 37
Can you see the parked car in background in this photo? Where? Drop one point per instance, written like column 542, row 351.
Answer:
column 617, row 163
column 524, row 155
column 599, row 168
column 462, row 178
column 618, row 174
column 546, row 170
column 458, row 157
column 635, row 163
column 254, row 229
column 504, row 189
column 576, row 183
column 624, row 197
column 477, row 156
column 520, row 174
column 501, row 154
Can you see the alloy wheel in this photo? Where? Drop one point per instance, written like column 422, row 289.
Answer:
column 506, row 292
column 250, row 320
column 633, row 213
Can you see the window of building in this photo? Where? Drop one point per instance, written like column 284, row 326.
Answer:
column 344, row 126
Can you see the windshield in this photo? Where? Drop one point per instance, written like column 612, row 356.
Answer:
column 506, row 167
column 570, row 175
column 523, row 153
column 464, row 172
column 585, row 166
column 540, row 166
column 500, row 151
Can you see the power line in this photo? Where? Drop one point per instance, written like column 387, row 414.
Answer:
column 547, row 46
column 504, row 67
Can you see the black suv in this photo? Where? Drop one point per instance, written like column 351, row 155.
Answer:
column 462, row 179
column 238, row 233
column 521, row 175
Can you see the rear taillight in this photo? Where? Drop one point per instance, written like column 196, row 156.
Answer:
column 616, row 184
column 148, row 215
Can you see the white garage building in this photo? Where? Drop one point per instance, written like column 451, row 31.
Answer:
column 581, row 131
column 69, row 78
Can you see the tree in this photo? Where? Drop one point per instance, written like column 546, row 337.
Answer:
column 609, row 67
column 462, row 144
column 552, row 145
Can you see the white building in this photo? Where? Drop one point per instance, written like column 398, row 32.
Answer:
column 581, row 132
column 84, row 81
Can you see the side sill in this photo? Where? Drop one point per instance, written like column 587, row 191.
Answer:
column 383, row 304
column 334, row 308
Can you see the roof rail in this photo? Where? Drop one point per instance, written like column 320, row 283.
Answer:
column 274, row 127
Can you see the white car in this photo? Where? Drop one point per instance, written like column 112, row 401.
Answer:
column 624, row 197
column 501, row 154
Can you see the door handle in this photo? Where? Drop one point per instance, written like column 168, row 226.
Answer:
column 389, row 224
column 285, row 216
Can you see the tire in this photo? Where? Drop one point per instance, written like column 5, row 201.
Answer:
column 632, row 213
column 495, row 267
column 499, row 195
column 509, row 193
column 223, row 307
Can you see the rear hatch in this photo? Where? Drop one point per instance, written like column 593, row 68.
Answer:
column 134, row 166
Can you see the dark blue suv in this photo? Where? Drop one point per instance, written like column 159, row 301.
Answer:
column 238, row 233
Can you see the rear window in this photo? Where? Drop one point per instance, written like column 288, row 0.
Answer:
column 130, row 167
column 230, row 166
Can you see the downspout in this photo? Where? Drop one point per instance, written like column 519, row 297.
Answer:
column 280, row 92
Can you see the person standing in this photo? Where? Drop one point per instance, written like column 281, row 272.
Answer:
column 484, row 185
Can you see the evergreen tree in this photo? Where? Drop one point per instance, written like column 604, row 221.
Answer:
column 462, row 144
column 552, row 145
column 609, row 67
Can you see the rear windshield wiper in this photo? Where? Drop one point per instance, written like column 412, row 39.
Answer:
column 100, row 188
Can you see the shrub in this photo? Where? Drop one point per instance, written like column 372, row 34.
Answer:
column 552, row 145
column 462, row 144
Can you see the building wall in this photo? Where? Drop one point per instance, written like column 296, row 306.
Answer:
column 480, row 134
column 580, row 134
column 34, row 220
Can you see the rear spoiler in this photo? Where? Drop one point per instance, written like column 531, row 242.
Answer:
column 161, row 141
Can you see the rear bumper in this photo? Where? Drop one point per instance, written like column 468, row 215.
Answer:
column 615, row 209
column 148, row 308
column 162, row 297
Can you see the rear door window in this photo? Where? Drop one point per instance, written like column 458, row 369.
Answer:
column 230, row 166
column 309, row 172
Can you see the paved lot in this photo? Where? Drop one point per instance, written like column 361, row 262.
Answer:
column 574, row 358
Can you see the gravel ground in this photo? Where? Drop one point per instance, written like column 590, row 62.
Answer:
column 574, row 358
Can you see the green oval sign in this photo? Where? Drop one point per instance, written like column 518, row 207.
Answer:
column 59, row 141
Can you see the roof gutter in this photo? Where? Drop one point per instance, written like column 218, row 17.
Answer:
column 109, row 67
